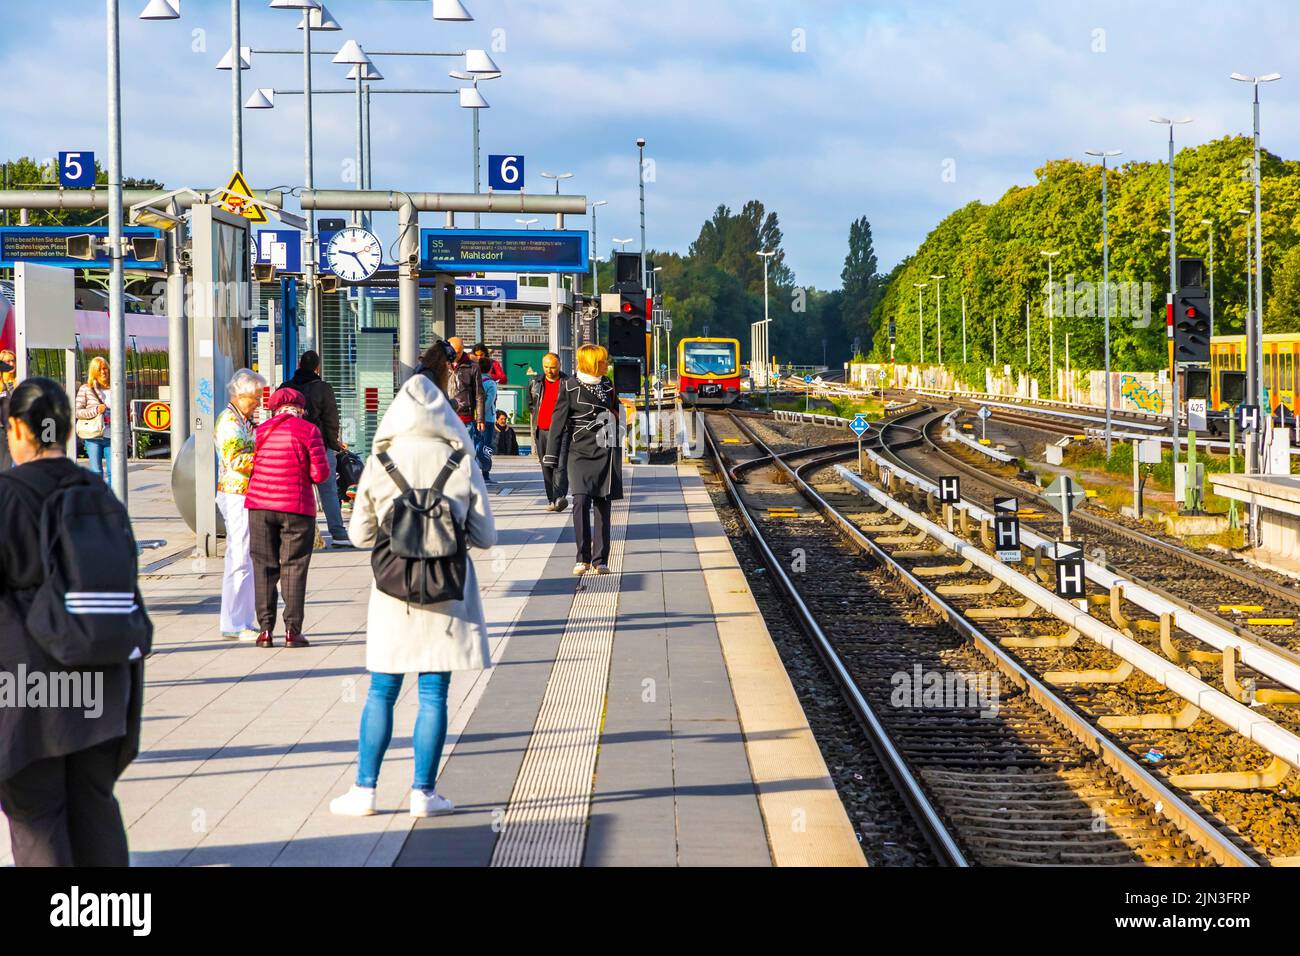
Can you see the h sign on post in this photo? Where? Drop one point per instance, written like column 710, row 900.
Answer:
column 1070, row 580
column 1248, row 417
column 950, row 490
column 506, row 173
column 1006, row 529
column 77, row 169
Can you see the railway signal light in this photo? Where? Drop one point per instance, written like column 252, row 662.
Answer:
column 1192, row 327
column 627, row 327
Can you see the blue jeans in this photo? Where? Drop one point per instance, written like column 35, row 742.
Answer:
column 377, row 727
column 101, row 461
column 328, row 493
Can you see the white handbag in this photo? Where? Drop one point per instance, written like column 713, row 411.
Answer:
column 92, row 427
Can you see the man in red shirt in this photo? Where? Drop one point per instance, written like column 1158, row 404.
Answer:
column 543, row 390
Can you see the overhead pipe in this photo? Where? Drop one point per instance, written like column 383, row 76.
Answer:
column 385, row 200
column 62, row 199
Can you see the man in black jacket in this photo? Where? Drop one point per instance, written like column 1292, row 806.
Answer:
column 323, row 412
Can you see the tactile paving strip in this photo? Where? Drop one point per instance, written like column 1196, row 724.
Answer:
column 545, row 823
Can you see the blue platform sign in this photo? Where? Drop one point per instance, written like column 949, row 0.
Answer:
column 859, row 425
column 807, row 379
column 77, row 169
column 267, row 254
column 488, row 290
column 503, row 250
column 506, row 173
column 48, row 246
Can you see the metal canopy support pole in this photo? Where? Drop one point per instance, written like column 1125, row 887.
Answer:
column 1105, row 300
column 310, row 259
column 1257, row 317
column 408, row 290
column 236, row 93
column 116, row 305
column 1169, row 312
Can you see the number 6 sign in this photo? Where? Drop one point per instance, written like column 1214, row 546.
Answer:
column 506, row 173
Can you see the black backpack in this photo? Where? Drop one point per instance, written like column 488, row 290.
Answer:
column 420, row 555
column 87, row 611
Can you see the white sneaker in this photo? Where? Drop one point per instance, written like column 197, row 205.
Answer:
column 426, row 803
column 357, row 802
column 248, row 635
column 581, row 568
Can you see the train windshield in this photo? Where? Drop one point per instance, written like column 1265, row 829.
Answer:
column 708, row 358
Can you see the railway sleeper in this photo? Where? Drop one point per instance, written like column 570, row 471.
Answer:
column 991, row 586
column 1179, row 721
column 944, row 570
column 903, row 539
column 1068, row 639
column 1020, row 611
column 1116, row 675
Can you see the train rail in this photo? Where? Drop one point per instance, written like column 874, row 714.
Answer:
column 1023, row 782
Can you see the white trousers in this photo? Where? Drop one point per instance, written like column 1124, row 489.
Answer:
column 238, row 608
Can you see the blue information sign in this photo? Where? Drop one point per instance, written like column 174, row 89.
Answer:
column 859, row 425
column 489, row 290
column 506, row 173
column 267, row 253
column 48, row 246
column 77, row 169
column 503, row 250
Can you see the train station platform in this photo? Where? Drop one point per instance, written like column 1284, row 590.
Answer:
column 1278, row 498
column 641, row 718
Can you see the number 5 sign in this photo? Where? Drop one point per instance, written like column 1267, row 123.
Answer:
column 506, row 173
column 77, row 169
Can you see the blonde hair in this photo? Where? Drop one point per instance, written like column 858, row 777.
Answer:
column 98, row 370
column 593, row 359
column 9, row 379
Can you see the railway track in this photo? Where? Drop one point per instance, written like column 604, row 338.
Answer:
column 995, row 768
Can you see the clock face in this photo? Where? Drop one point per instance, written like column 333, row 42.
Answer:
column 354, row 254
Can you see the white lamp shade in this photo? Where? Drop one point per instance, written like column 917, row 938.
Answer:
column 370, row 73
column 472, row 99
column 450, row 10
column 162, row 10
column 320, row 19
column 351, row 53
column 245, row 59
column 477, row 61
column 263, row 98
column 294, row 4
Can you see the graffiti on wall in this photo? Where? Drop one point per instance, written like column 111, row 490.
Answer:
column 1144, row 398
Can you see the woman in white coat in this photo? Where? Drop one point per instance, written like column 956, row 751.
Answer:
column 420, row 431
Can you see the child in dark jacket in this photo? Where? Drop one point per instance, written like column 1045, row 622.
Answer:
column 506, row 441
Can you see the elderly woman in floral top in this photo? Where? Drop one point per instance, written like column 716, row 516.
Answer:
column 234, row 440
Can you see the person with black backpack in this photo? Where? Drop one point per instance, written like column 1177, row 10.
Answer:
column 421, row 504
column 70, row 609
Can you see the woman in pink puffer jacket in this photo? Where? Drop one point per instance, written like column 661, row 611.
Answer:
column 288, row 462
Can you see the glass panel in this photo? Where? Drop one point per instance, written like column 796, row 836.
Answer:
column 709, row 358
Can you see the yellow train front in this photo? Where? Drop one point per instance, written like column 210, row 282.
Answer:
column 708, row 371
column 1281, row 352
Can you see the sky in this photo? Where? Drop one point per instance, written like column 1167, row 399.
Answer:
column 825, row 110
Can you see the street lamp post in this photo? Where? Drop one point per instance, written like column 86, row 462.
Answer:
column 767, row 327
column 1255, row 319
column 1105, row 154
column 920, row 321
column 595, row 259
column 640, row 178
column 1250, row 272
column 1173, row 288
column 963, row 328
column 1051, row 324
column 938, row 315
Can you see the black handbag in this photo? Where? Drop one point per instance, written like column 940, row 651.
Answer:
column 420, row 556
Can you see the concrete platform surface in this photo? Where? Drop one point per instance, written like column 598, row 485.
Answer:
column 637, row 718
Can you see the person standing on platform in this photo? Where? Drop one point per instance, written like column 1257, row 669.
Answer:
column 323, row 412
column 484, row 440
column 506, row 444
column 466, row 389
column 288, row 460
column 586, row 412
column 234, row 440
column 419, row 435
column 497, row 372
column 8, row 382
column 94, row 413
column 59, row 764
column 543, row 392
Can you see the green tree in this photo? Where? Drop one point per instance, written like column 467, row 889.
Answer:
column 861, row 284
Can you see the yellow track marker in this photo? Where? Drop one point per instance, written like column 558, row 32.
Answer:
column 1080, row 437
column 731, row 441
column 1270, row 621
column 1242, row 608
column 985, row 441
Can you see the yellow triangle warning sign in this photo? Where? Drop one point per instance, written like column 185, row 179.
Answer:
column 237, row 204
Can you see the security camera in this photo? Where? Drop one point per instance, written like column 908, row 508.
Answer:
column 328, row 284
column 82, row 247
column 146, row 248
column 264, row 272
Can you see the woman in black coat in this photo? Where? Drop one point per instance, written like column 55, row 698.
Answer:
column 587, row 408
column 58, row 764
